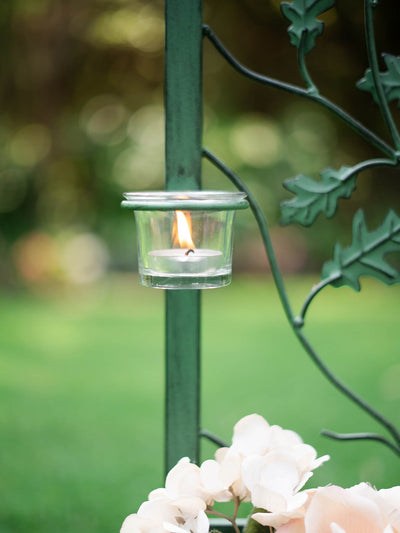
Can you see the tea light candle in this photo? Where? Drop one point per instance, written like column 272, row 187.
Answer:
column 185, row 237
column 185, row 261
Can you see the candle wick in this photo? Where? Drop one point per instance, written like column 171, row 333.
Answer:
column 188, row 252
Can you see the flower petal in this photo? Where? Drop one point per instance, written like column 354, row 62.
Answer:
column 213, row 482
column 294, row 526
column 158, row 510
column 203, row 524
column 190, row 507
column 282, row 438
column 276, row 471
column 390, row 504
column 268, row 499
column 134, row 524
column 158, row 493
column 251, row 435
column 173, row 528
column 346, row 508
column 276, row 520
column 183, row 480
column 336, row 529
column 388, row 529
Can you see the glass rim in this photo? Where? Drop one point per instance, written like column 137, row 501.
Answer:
column 207, row 200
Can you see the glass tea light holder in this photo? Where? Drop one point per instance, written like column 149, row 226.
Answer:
column 185, row 238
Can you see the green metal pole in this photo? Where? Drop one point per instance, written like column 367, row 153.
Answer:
column 183, row 114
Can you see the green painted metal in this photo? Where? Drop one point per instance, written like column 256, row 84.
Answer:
column 305, row 26
column 315, row 197
column 182, row 376
column 183, row 94
column 223, row 526
column 366, row 254
column 183, row 112
column 378, row 80
column 307, row 93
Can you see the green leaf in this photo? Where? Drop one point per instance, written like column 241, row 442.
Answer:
column 390, row 79
column 366, row 254
column 302, row 14
column 314, row 197
column 255, row 527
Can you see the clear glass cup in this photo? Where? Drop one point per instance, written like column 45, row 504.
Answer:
column 188, row 247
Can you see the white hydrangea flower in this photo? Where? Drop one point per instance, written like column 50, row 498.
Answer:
column 265, row 464
column 183, row 484
column 273, row 480
column 222, row 478
column 251, row 436
column 161, row 514
column 150, row 517
column 282, row 438
column 296, row 508
column 215, row 482
column 196, row 524
column 134, row 524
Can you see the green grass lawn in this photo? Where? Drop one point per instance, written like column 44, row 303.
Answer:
column 81, row 391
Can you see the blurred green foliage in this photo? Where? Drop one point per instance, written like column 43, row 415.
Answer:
column 81, row 96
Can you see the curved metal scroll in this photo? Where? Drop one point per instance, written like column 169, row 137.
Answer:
column 366, row 254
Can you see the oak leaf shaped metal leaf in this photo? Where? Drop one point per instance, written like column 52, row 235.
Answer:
column 314, row 197
column 390, row 79
column 366, row 254
column 302, row 14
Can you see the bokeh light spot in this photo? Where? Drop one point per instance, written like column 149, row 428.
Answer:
column 141, row 28
column 103, row 119
column 146, row 126
column 35, row 257
column 256, row 140
column 84, row 258
column 142, row 165
column 30, row 144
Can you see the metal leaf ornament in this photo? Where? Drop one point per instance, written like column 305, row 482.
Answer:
column 314, row 197
column 302, row 14
column 366, row 254
column 390, row 79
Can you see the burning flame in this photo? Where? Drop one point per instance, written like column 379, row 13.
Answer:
column 182, row 230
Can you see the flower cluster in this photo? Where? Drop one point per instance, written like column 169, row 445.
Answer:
column 268, row 466
column 177, row 508
column 265, row 464
column 332, row 509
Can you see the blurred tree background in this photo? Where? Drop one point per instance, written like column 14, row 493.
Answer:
column 81, row 95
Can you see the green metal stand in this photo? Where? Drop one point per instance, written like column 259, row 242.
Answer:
column 365, row 256
column 183, row 113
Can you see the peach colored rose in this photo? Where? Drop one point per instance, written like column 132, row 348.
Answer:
column 359, row 509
